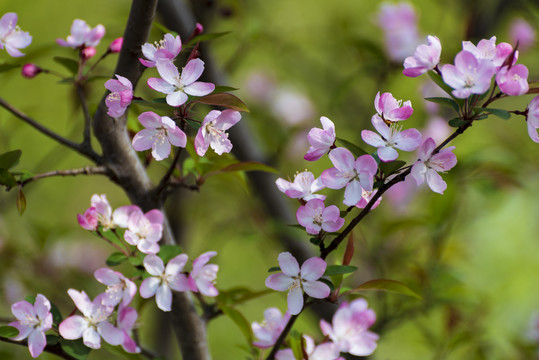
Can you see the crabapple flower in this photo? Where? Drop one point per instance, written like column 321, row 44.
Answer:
column 532, row 119
column 32, row 322
column 30, row 71
column 93, row 325
column 350, row 327
column 166, row 49
column 303, row 187
column 271, row 328
column 202, row 277
column 88, row 220
column 212, row 131
column 321, row 140
column 177, row 86
column 426, row 57
column 391, row 109
column 120, row 290
column 116, row 45
column 469, row 75
column 428, row 166
column 144, row 230
column 523, row 33
column 325, row 351
column 390, row 139
column 88, row 52
column 82, row 35
column 357, row 175
column 160, row 133
column 315, row 217
column 127, row 316
column 297, row 280
column 164, row 279
column 366, row 197
column 121, row 94
column 513, row 81
column 99, row 213
column 12, row 38
column 488, row 50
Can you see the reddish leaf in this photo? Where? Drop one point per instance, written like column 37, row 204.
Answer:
column 223, row 99
column 349, row 252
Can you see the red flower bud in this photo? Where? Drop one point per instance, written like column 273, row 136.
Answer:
column 88, row 52
column 116, row 45
column 30, row 70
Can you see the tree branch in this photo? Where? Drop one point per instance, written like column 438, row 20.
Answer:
column 55, row 349
column 88, row 170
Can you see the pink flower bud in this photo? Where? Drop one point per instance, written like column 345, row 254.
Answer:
column 88, row 52
column 198, row 29
column 30, row 70
column 116, row 45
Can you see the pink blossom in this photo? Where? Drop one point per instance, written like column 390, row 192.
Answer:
column 532, row 119
column 116, row 45
column 164, row 279
column 144, row 230
column 321, row 140
column 469, row 75
column 93, row 325
column 271, row 328
column 350, row 332
column 127, row 316
column 366, row 197
column 426, row 57
column 303, row 187
column 391, row 109
column 32, row 322
column 120, row 290
column 166, row 49
column 160, row 133
column 390, row 139
column 315, row 217
column 325, row 351
column 399, row 23
column 121, row 94
column 202, row 277
column 523, row 33
column 99, row 213
column 30, row 71
column 513, row 81
column 82, row 35
column 297, row 280
column 357, row 175
column 88, row 220
column 428, row 166
column 88, row 52
column 12, row 38
column 488, row 50
column 212, row 131
column 177, row 86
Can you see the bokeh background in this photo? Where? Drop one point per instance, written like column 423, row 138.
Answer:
column 472, row 254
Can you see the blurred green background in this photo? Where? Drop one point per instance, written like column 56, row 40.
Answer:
column 472, row 253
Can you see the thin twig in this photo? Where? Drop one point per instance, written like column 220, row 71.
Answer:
column 55, row 349
column 87, row 170
column 68, row 143
column 165, row 180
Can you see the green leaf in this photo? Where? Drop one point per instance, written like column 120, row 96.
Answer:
column 205, row 37
column 137, row 260
column 164, row 29
column 457, row 122
column 75, row 348
column 56, row 315
column 167, row 252
column 8, row 331
column 116, row 258
column 223, row 99
column 386, row 285
column 339, row 269
column 315, row 241
column 7, row 179
column 71, row 65
column 444, row 102
column 21, row 201
column 502, row 114
column 240, row 320
column 52, row 339
column 437, row 78
column 389, row 167
column 194, row 124
column 243, row 166
column 239, row 295
column 154, row 104
column 274, row 268
column 23, row 175
column 10, row 159
column 221, row 89
column 328, row 283
column 7, row 67
column 113, row 236
column 296, row 345
column 356, row 150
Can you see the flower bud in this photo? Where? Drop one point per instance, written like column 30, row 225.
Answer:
column 30, row 70
column 198, row 29
column 88, row 52
column 116, row 45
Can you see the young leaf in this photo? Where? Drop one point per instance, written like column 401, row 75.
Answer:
column 437, row 78
column 10, row 159
column 75, row 348
column 240, row 321
column 21, row 201
column 274, row 268
column 52, row 339
column 444, row 102
column 239, row 295
column 339, row 269
column 7, row 179
column 70, row 64
column 205, row 37
column 457, row 122
column 116, row 258
column 389, row 167
column 349, row 252
column 223, row 99
column 243, row 166
column 8, row 331
column 356, row 150
column 502, row 114
column 221, row 89
column 386, row 285
column 167, row 252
